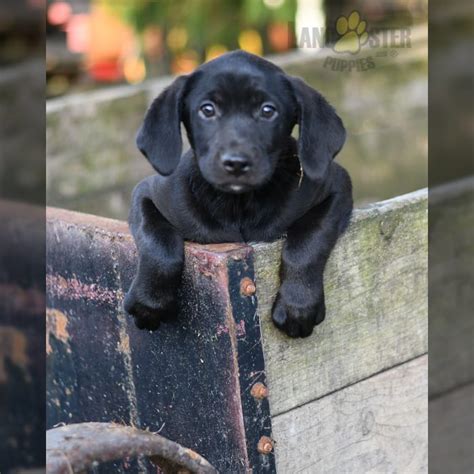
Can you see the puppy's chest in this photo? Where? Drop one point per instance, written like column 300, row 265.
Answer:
column 234, row 226
column 211, row 217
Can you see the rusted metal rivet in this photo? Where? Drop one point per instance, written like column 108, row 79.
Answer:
column 259, row 391
column 265, row 445
column 247, row 287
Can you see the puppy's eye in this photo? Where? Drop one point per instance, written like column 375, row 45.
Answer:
column 208, row 110
column 268, row 111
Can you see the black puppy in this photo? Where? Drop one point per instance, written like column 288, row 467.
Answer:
column 244, row 179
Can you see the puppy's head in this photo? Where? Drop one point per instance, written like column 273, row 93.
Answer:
column 239, row 111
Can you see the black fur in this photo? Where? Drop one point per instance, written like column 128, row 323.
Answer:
column 240, row 182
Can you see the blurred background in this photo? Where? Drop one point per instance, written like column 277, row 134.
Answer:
column 107, row 59
column 92, row 43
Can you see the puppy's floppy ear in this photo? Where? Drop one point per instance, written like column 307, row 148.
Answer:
column 159, row 137
column 321, row 132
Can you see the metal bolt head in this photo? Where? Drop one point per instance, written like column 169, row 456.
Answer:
column 265, row 445
column 247, row 287
column 259, row 391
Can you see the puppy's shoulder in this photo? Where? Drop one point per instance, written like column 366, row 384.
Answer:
column 339, row 178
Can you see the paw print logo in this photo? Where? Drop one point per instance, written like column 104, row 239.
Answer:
column 352, row 32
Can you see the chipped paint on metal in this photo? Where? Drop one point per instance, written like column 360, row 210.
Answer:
column 73, row 289
column 56, row 325
column 13, row 347
column 124, row 347
column 239, row 329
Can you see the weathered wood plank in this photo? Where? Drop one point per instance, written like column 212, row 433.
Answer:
column 91, row 146
column 450, row 286
column 376, row 297
column 452, row 432
column 379, row 425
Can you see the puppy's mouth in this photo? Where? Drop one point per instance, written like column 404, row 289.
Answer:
column 234, row 188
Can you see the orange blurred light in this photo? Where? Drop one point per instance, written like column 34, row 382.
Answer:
column 110, row 37
column 249, row 40
column 134, row 70
column 111, row 42
column 59, row 13
column 280, row 36
column 215, row 51
column 185, row 62
column 78, row 33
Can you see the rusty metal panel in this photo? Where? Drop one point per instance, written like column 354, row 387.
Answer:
column 185, row 373
column 22, row 361
column 88, row 378
column 191, row 380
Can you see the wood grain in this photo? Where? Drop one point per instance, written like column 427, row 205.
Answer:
column 451, row 286
column 379, row 425
column 376, row 297
column 452, row 432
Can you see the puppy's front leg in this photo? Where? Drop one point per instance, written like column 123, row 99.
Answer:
column 152, row 295
column 299, row 305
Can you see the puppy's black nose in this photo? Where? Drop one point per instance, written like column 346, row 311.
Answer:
column 235, row 164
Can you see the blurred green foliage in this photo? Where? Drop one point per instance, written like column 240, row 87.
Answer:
column 204, row 19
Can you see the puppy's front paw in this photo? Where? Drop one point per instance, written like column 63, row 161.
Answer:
column 297, row 321
column 148, row 312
